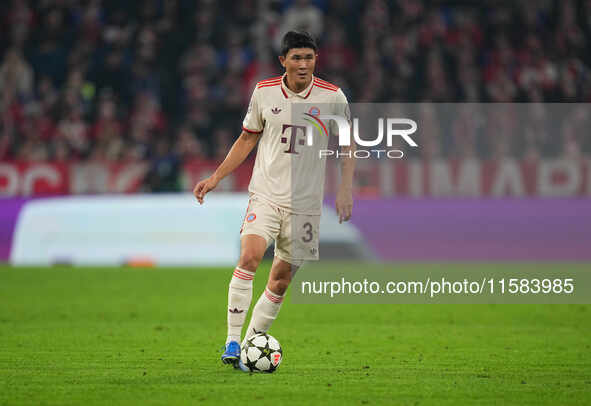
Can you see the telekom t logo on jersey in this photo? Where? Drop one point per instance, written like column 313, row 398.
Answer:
column 294, row 136
column 402, row 127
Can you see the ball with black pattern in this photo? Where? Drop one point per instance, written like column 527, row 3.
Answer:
column 261, row 353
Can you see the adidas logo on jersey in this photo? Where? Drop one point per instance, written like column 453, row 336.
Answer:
column 275, row 110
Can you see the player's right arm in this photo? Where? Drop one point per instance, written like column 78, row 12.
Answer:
column 238, row 153
column 252, row 127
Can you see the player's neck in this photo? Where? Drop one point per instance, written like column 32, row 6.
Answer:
column 293, row 86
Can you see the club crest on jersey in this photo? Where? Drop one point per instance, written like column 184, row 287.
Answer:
column 251, row 217
column 275, row 110
column 314, row 111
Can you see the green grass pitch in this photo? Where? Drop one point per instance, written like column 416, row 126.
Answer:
column 86, row 336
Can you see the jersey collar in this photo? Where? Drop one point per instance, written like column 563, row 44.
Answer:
column 287, row 93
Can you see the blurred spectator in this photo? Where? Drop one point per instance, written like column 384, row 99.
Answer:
column 16, row 73
column 74, row 131
column 223, row 142
column 335, row 56
column 50, row 55
column 107, row 125
column 188, row 147
column 163, row 174
column 107, row 132
column 302, row 15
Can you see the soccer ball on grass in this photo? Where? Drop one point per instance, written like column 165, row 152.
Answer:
column 261, row 353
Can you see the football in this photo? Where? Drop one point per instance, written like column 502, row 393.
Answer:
column 261, row 353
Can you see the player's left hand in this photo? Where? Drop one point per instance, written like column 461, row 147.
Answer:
column 344, row 204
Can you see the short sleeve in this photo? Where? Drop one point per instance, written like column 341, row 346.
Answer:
column 253, row 121
column 341, row 108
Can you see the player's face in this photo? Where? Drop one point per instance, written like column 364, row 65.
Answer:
column 299, row 64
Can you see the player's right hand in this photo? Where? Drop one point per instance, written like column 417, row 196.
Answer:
column 203, row 187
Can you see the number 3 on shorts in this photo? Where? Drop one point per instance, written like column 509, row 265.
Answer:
column 308, row 235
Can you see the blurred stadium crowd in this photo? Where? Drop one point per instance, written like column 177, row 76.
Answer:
column 137, row 80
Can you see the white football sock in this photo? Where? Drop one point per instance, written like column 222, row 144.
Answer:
column 265, row 311
column 239, row 298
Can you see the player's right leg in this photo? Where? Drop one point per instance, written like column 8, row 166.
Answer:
column 252, row 249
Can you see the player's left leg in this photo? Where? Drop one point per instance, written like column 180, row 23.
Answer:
column 267, row 308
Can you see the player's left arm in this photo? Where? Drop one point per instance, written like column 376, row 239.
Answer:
column 344, row 200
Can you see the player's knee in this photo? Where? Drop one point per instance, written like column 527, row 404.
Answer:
column 249, row 260
column 279, row 286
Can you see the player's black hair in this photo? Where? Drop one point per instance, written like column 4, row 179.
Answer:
column 297, row 39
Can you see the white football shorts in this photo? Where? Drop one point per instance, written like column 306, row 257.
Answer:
column 295, row 235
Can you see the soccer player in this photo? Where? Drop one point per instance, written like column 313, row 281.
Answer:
column 286, row 186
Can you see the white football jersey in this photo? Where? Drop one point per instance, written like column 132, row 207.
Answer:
column 288, row 172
